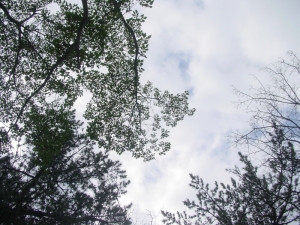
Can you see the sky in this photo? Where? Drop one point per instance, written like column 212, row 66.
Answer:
column 207, row 47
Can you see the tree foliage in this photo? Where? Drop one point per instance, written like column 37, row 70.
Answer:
column 258, row 197
column 51, row 52
column 269, row 193
column 58, row 178
column 97, row 47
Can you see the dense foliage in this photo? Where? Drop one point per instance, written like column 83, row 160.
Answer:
column 59, row 178
column 53, row 48
column 51, row 52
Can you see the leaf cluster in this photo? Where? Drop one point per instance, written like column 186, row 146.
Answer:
column 95, row 47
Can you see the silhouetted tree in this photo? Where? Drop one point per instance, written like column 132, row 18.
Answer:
column 58, row 177
column 270, row 192
column 276, row 102
column 256, row 197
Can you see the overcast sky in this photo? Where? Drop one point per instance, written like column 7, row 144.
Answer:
column 206, row 47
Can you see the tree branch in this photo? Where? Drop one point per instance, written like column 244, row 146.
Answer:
column 60, row 60
column 136, row 46
column 61, row 217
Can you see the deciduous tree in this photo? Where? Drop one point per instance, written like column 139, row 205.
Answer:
column 275, row 102
column 97, row 47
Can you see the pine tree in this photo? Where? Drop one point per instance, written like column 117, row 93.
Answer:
column 58, row 176
column 266, row 195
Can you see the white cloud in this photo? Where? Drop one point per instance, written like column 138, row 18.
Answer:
column 206, row 47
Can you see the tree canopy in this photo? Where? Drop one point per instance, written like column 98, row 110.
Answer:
column 51, row 52
column 59, row 178
column 95, row 46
